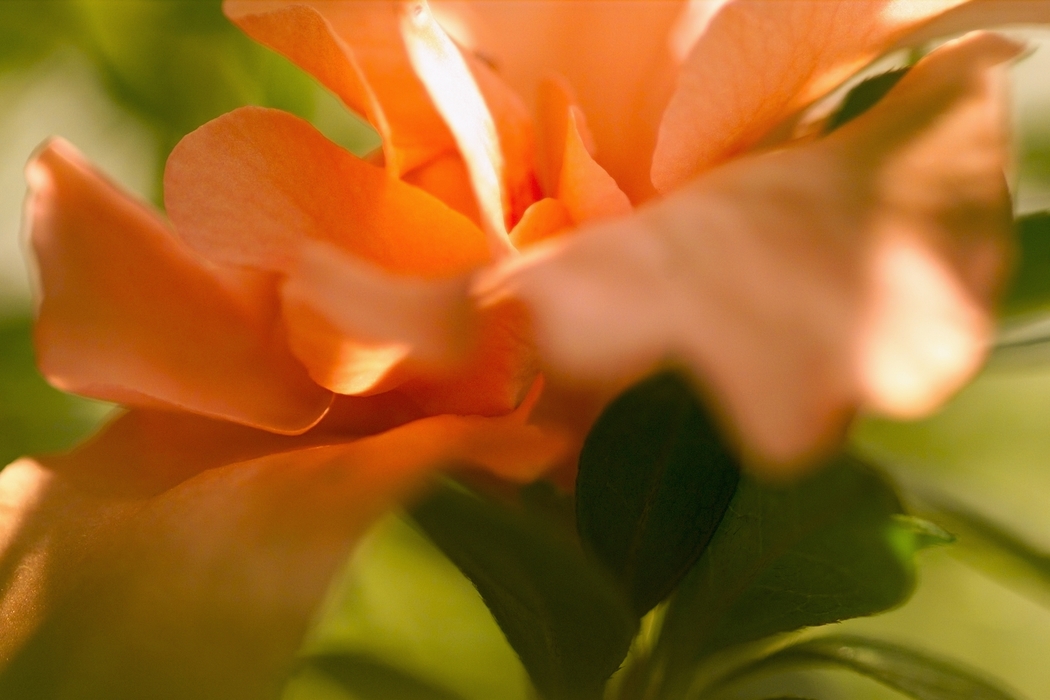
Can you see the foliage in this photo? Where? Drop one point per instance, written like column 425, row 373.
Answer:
column 34, row 417
column 174, row 64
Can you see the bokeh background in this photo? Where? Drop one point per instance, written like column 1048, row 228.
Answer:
column 123, row 80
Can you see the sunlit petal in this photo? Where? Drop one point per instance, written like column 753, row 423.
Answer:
column 758, row 63
column 441, row 67
column 619, row 57
column 361, row 331
column 354, row 49
column 250, row 187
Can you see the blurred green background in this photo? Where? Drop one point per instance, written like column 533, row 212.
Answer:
column 123, row 80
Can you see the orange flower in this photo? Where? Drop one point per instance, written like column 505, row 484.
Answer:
column 314, row 333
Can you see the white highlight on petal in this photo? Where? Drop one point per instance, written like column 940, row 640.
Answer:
column 448, row 80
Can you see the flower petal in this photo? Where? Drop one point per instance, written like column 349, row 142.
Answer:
column 128, row 314
column 758, row 63
column 362, row 331
column 204, row 588
column 798, row 299
column 250, row 187
column 447, row 179
column 355, row 49
column 544, row 219
column 586, row 190
column 619, row 57
column 444, row 72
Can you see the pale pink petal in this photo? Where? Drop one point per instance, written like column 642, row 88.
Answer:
column 802, row 284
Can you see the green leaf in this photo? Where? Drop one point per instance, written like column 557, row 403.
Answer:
column 1030, row 287
column 180, row 63
column 824, row 549
column 913, row 673
column 1011, row 554
column 31, row 29
column 920, row 533
column 655, row 479
column 367, row 679
column 863, row 97
column 402, row 603
column 34, row 417
column 563, row 616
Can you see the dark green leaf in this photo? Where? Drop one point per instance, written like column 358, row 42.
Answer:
column 863, row 97
column 368, row 679
column 824, row 549
column 1030, row 288
column 908, row 671
column 34, row 417
column 563, row 616
column 655, row 479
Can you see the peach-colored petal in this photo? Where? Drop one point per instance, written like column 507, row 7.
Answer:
column 619, row 57
column 491, row 377
column 447, row 179
column 362, row 331
column 516, row 140
column 579, row 183
column 796, row 299
column 354, row 325
column 450, row 83
column 128, row 314
column 250, row 187
column 976, row 14
column 355, row 49
column 758, row 63
column 586, row 190
column 203, row 585
column 544, row 219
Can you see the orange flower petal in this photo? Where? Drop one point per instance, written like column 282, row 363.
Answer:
column 586, row 190
column 868, row 282
column 250, row 187
column 451, row 86
column 544, row 219
column 205, row 587
column 619, row 57
column 127, row 314
column 355, row 49
column 354, row 325
column 758, row 63
column 447, row 179
column 516, row 140
column 361, row 331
